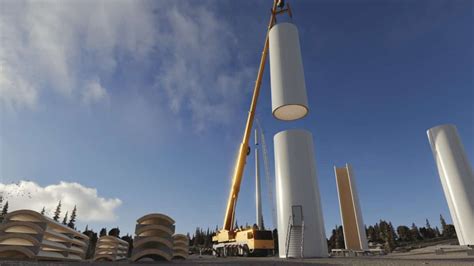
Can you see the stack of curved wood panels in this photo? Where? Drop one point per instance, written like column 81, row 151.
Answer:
column 180, row 246
column 154, row 238
column 26, row 234
column 110, row 248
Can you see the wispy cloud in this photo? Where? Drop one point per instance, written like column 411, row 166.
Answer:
column 90, row 206
column 54, row 45
column 76, row 50
column 201, row 74
column 94, row 92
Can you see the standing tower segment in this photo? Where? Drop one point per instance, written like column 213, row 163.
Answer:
column 258, row 193
column 300, row 215
column 456, row 177
column 351, row 215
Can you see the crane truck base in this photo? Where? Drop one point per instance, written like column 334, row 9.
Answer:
column 246, row 242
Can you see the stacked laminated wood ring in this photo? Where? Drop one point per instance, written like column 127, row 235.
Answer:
column 154, row 238
column 180, row 246
column 110, row 248
column 26, row 234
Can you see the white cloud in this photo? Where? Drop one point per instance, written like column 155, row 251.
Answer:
column 90, row 206
column 94, row 92
column 55, row 46
column 15, row 91
column 201, row 74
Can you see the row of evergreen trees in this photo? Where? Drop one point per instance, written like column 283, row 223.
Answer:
column 57, row 213
column 70, row 222
column 385, row 234
column 382, row 233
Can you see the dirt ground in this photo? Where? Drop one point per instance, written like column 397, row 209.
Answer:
column 422, row 256
column 209, row 260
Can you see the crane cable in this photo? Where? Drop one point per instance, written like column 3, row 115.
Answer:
column 267, row 172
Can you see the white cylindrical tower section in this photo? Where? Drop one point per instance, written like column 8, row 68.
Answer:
column 456, row 177
column 297, row 194
column 289, row 99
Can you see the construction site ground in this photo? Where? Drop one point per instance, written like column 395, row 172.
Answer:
column 408, row 258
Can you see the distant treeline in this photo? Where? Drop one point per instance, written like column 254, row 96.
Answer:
column 386, row 236
column 383, row 234
column 68, row 221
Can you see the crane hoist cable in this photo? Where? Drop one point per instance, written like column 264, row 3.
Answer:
column 268, row 176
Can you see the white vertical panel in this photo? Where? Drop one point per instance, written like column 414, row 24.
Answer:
column 456, row 177
column 289, row 99
column 297, row 184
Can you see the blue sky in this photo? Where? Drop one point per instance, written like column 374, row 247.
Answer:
column 145, row 102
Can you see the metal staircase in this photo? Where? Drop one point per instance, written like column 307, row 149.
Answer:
column 295, row 234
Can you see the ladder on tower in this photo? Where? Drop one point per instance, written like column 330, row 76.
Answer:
column 295, row 233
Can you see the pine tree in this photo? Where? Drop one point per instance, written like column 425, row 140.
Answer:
column 437, row 233
column 443, row 225
column 339, row 238
column 275, row 240
column 383, row 231
column 92, row 242
column 450, row 231
column 404, row 233
column 57, row 212
column 43, row 211
column 103, row 232
column 5, row 209
column 189, row 237
column 377, row 238
column 391, row 237
column 207, row 243
column 65, row 219
column 114, row 232
column 371, row 234
column 415, row 233
column 393, row 231
column 129, row 240
column 72, row 221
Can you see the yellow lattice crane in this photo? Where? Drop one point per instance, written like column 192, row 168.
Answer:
column 230, row 241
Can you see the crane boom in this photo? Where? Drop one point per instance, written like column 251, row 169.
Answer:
column 244, row 145
column 255, row 241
